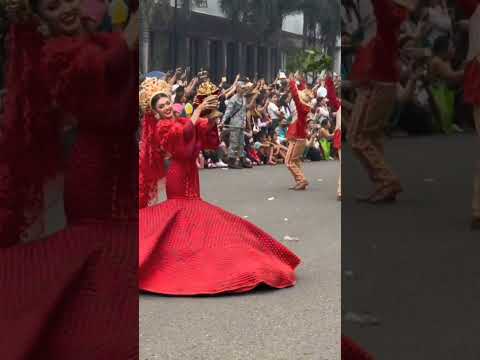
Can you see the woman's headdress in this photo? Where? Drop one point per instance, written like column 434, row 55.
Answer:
column 150, row 88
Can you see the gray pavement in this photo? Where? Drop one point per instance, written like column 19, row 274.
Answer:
column 415, row 265
column 300, row 323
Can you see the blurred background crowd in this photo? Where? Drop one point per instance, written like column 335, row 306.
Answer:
column 433, row 49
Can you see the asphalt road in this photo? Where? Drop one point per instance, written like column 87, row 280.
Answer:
column 300, row 323
column 415, row 265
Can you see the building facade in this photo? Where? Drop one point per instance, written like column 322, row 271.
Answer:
column 206, row 39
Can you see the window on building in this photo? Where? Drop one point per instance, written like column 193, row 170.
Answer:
column 201, row 3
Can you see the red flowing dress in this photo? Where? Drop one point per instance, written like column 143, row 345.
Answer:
column 190, row 247
column 73, row 295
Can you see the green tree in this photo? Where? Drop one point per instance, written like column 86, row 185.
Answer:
column 311, row 62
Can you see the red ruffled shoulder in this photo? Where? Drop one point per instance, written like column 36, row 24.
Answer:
column 169, row 135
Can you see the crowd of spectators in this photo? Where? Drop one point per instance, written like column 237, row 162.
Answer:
column 270, row 111
column 433, row 49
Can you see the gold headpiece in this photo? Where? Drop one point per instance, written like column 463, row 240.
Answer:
column 205, row 90
column 149, row 88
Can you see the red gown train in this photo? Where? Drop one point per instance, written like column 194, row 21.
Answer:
column 190, row 247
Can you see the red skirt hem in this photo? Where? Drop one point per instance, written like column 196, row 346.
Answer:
column 190, row 247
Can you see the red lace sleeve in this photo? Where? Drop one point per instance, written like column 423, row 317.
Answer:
column 30, row 148
column 208, row 134
column 84, row 70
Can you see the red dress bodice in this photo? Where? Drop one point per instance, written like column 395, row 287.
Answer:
column 183, row 141
column 100, row 179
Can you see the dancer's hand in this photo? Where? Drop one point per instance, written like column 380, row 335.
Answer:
column 210, row 103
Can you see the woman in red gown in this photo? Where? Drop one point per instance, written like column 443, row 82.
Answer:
column 72, row 295
column 190, row 247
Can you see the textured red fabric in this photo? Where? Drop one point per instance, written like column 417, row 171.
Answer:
column 377, row 60
column 337, row 139
column 189, row 247
column 29, row 143
column 151, row 162
column 74, row 295
column 332, row 94
column 351, row 351
column 471, row 83
column 298, row 130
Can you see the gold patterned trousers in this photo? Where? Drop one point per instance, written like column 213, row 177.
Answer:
column 373, row 107
column 296, row 148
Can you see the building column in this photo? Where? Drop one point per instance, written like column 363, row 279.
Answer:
column 223, row 58
column 182, row 59
column 205, row 54
column 270, row 70
column 240, row 66
column 255, row 60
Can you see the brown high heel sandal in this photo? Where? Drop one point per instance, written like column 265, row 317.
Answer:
column 302, row 186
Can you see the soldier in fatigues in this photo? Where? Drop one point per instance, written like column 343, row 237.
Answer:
column 235, row 118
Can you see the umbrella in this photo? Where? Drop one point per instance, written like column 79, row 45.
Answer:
column 156, row 74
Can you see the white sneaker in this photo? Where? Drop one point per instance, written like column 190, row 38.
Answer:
column 457, row 128
column 221, row 164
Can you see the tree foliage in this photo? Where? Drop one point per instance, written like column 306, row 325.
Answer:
column 309, row 62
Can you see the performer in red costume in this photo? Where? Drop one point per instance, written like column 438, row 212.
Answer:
column 72, row 295
column 297, row 133
column 335, row 103
column 187, row 246
column 375, row 73
column 471, row 8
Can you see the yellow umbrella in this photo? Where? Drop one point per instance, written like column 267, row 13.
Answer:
column 119, row 12
column 189, row 109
